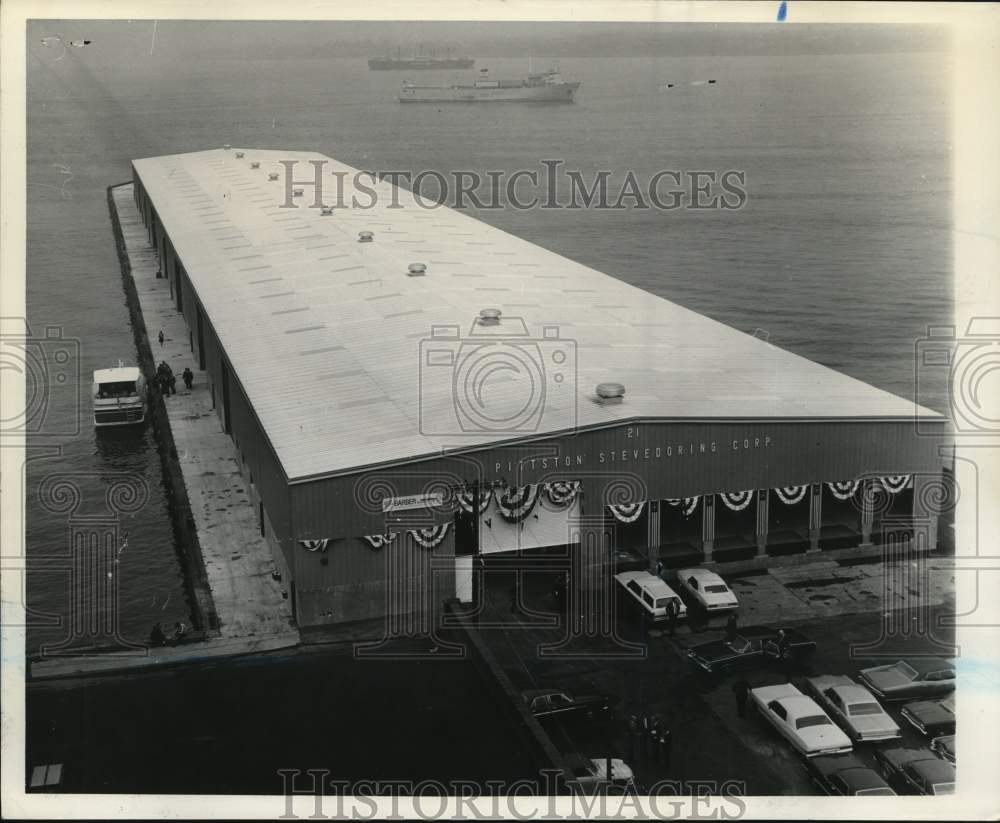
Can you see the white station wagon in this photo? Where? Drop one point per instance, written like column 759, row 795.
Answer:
column 651, row 593
column 708, row 589
column 799, row 720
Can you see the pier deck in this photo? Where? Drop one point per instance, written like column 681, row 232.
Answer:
column 248, row 601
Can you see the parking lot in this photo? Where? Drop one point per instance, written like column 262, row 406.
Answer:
column 881, row 613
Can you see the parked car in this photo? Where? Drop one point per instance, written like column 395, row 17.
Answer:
column 651, row 593
column 931, row 717
column 545, row 703
column 799, row 720
column 707, row 589
column 852, row 707
column 752, row 646
column 944, row 746
column 916, row 771
column 910, row 679
column 591, row 773
column 844, row 775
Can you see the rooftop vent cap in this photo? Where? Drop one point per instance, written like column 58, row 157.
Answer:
column 489, row 317
column 296, row 192
column 239, row 155
column 273, row 175
column 226, row 147
column 365, row 236
column 416, row 269
column 326, row 211
column 255, row 165
column 610, row 392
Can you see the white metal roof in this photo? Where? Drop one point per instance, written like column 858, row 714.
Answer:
column 327, row 334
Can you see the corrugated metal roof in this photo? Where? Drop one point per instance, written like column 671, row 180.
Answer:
column 332, row 340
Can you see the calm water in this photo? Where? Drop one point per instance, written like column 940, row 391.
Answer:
column 842, row 253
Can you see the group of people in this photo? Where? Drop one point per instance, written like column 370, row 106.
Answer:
column 157, row 637
column 650, row 738
column 167, row 383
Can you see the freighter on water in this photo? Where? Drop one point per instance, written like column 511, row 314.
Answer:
column 544, row 87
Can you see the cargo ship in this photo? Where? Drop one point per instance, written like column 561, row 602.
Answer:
column 419, row 62
column 544, row 87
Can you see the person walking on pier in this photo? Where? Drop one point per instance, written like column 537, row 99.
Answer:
column 188, row 378
column 160, row 337
column 157, row 637
column 673, row 613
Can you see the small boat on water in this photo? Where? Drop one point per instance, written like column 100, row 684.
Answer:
column 119, row 396
column 543, row 87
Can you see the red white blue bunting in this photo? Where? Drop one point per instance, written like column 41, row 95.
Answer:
column 895, row 483
column 627, row 512
column 465, row 500
column 562, row 493
column 689, row 503
column 790, row 495
column 515, row 504
column 430, row 538
column 737, row 501
column 843, row 489
column 315, row 545
column 378, row 541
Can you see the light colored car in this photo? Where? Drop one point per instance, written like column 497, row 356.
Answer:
column 799, row 720
column 593, row 772
column 651, row 593
column 708, row 589
column 853, row 707
column 910, row 679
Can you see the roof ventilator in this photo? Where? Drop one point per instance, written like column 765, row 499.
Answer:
column 608, row 393
column 326, row 211
column 296, row 192
column 416, row 270
column 239, row 155
column 365, row 236
column 255, row 165
column 273, row 176
column 226, row 147
column 489, row 317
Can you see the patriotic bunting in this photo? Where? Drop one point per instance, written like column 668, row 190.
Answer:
column 689, row 503
column 562, row 493
column 790, row 495
column 844, row 489
column 314, row 545
column 429, row 538
column 378, row 541
column 517, row 503
column 894, row 484
column 465, row 500
column 737, row 501
column 627, row 512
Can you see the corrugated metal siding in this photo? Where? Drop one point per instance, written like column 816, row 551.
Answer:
column 358, row 582
column 798, row 453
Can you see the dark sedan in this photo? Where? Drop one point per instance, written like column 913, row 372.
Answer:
column 844, row 775
column 910, row 679
column 916, row 771
column 752, row 646
column 546, row 703
column 944, row 746
column 931, row 717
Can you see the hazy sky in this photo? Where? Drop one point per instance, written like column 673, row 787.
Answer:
column 331, row 39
